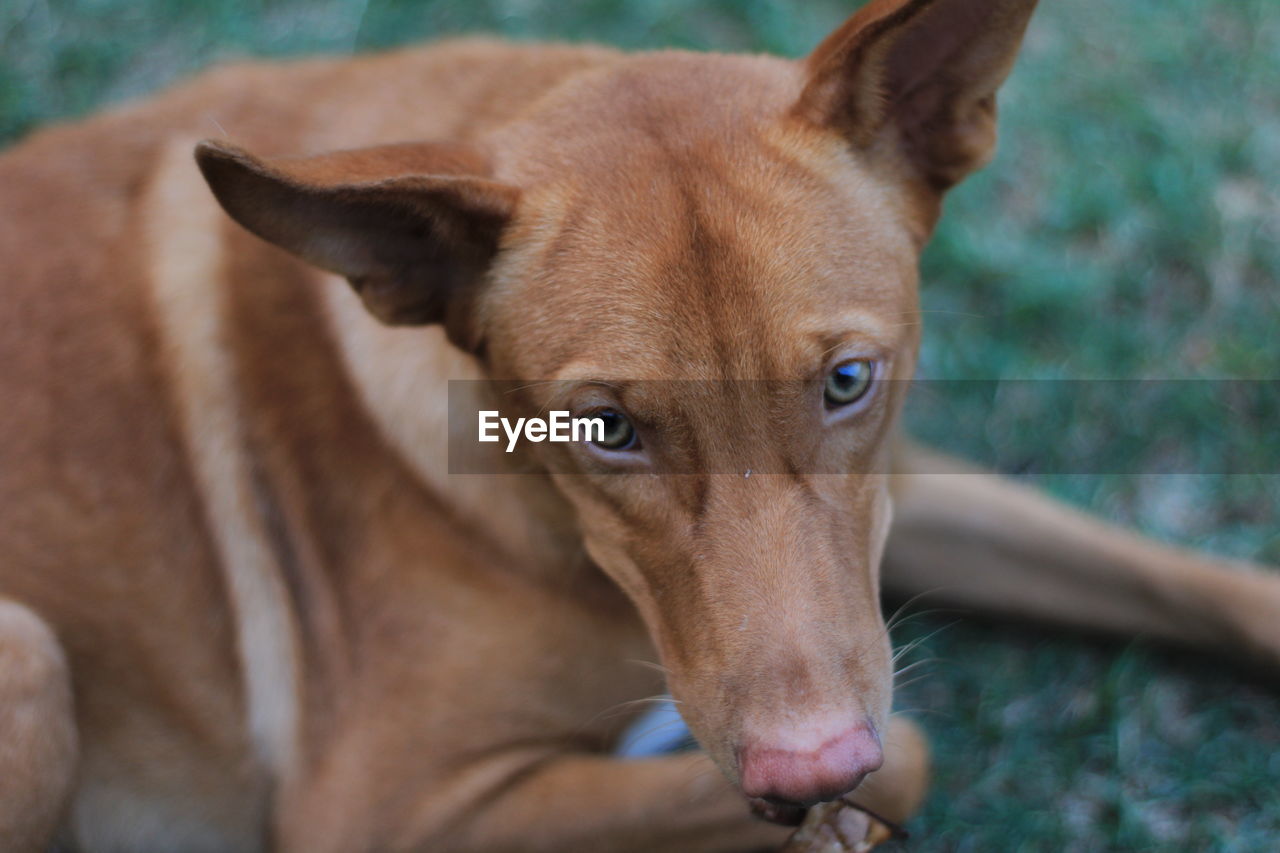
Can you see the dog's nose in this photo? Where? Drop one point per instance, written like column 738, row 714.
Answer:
column 805, row 766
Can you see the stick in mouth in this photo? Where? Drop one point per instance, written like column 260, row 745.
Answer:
column 842, row 826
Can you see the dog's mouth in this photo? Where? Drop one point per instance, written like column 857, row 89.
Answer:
column 778, row 811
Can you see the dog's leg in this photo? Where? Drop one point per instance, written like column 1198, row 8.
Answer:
column 677, row 803
column 974, row 539
column 37, row 730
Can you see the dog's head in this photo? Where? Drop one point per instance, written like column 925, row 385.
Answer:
column 717, row 255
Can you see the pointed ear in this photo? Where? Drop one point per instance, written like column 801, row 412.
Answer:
column 918, row 77
column 410, row 226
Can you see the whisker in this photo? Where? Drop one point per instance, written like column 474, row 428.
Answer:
column 628, row 705
column 917, row 711
column 904, row 670
column 704, row 772
column 648, row 664
column 923, row 614
column 910, row 681
column 893, row 620
column 658, row 727
column 941, row 311
column 914, row 644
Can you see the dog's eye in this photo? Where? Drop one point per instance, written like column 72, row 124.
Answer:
column 848, row 382
column 619, row 434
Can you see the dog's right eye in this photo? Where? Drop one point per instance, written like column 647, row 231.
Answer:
column 619, row 434
column 848, row 382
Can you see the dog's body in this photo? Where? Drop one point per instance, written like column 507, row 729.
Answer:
column 244, row 605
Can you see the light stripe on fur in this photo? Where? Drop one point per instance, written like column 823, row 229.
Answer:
column 182, row 227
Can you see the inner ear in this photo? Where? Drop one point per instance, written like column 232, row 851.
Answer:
column 410, row 232
column 918, row 77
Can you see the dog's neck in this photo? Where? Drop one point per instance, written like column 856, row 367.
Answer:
column 403, row 377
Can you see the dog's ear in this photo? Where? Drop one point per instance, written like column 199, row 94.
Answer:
column 917, row 79
column 413, row 227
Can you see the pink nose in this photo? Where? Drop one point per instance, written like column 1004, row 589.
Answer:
column 791, row 770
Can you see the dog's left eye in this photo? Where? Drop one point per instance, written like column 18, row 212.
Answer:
column 848, row 382
column 619, row 434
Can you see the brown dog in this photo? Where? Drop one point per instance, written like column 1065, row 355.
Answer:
column 247, row 607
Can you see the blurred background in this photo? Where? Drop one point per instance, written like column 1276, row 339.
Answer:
column 1129, row 228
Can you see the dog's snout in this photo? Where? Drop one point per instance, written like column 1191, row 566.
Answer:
column 807, row 765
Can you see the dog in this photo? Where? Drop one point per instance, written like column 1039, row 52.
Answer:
column 245, row 604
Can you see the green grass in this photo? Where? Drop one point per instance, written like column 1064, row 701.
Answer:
column 1130, row 227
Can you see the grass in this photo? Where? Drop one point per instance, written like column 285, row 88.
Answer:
column 1129, row 228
